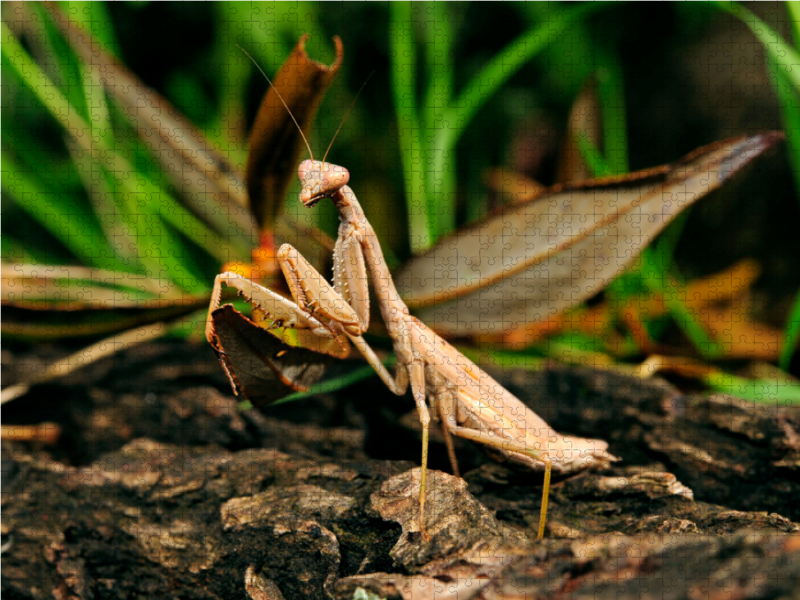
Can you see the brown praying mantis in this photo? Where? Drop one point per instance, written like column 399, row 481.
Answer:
column 467, row 401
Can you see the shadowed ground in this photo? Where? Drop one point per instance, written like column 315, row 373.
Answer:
column 159, row 486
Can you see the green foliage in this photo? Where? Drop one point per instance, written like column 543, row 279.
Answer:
column 783, row 60
column 428, row 137
column 452, row 87
column 124, row 198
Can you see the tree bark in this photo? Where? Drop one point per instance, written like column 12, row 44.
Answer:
column 160, row 486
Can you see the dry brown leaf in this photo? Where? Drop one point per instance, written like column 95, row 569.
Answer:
column 532, row 261
column 584, row 120
column 721, row 303
column 85, row 357
column 60, row 301
column 740, row 336
column 725, row 286
column 262, row 367
column 713, row 299
column 275, row 142
column 70, row 287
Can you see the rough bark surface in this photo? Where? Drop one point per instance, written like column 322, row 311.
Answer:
column 160, row 487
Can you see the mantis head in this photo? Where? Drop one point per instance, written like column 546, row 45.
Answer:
column 320, row 180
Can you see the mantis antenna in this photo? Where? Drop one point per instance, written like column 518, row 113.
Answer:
column 361, row 89
column 300, row 129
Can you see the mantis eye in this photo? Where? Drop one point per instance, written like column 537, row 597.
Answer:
column 334, row 177
column 304, row 168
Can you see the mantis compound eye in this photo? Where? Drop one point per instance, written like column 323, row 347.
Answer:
column 335, row 176
column 305, row 167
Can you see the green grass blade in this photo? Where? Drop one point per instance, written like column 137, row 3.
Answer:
column 44, row 89
column 791, row 335
column 143, row 199
column 59, row 107
column 64, row 215
column 58, row 61
column 413, row 155
column 93, row 93
column 793, row 8
column 779, row 51
column 789, row 102
column 492, row 76
column 611, row 92
column 656, row 275
column 763, row 391
column 655, row 263
column 338, row 383
column 783, row 63
column 98, row 186
column 94, row 17
column 29, row 243
column 592, row 156
column 441, row 189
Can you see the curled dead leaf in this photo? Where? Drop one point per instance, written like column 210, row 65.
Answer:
column 263, row 367
column 275, row 142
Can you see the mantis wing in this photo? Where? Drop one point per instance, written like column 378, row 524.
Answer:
column 486, row 412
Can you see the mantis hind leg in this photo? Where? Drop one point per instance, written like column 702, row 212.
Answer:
column 417, row 373
column 501, row 444
column 443, row 400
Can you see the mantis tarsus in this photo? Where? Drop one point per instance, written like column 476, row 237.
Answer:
column 469, row 403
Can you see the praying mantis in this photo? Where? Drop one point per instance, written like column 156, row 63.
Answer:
column 467, row 401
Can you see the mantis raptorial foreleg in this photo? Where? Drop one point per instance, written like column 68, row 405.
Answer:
column 282, row 312
column 321, row 307
column 312, row 293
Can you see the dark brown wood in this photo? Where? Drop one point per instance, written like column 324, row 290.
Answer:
column 159, row 486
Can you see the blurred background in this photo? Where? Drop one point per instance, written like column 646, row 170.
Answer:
column 668, row 78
